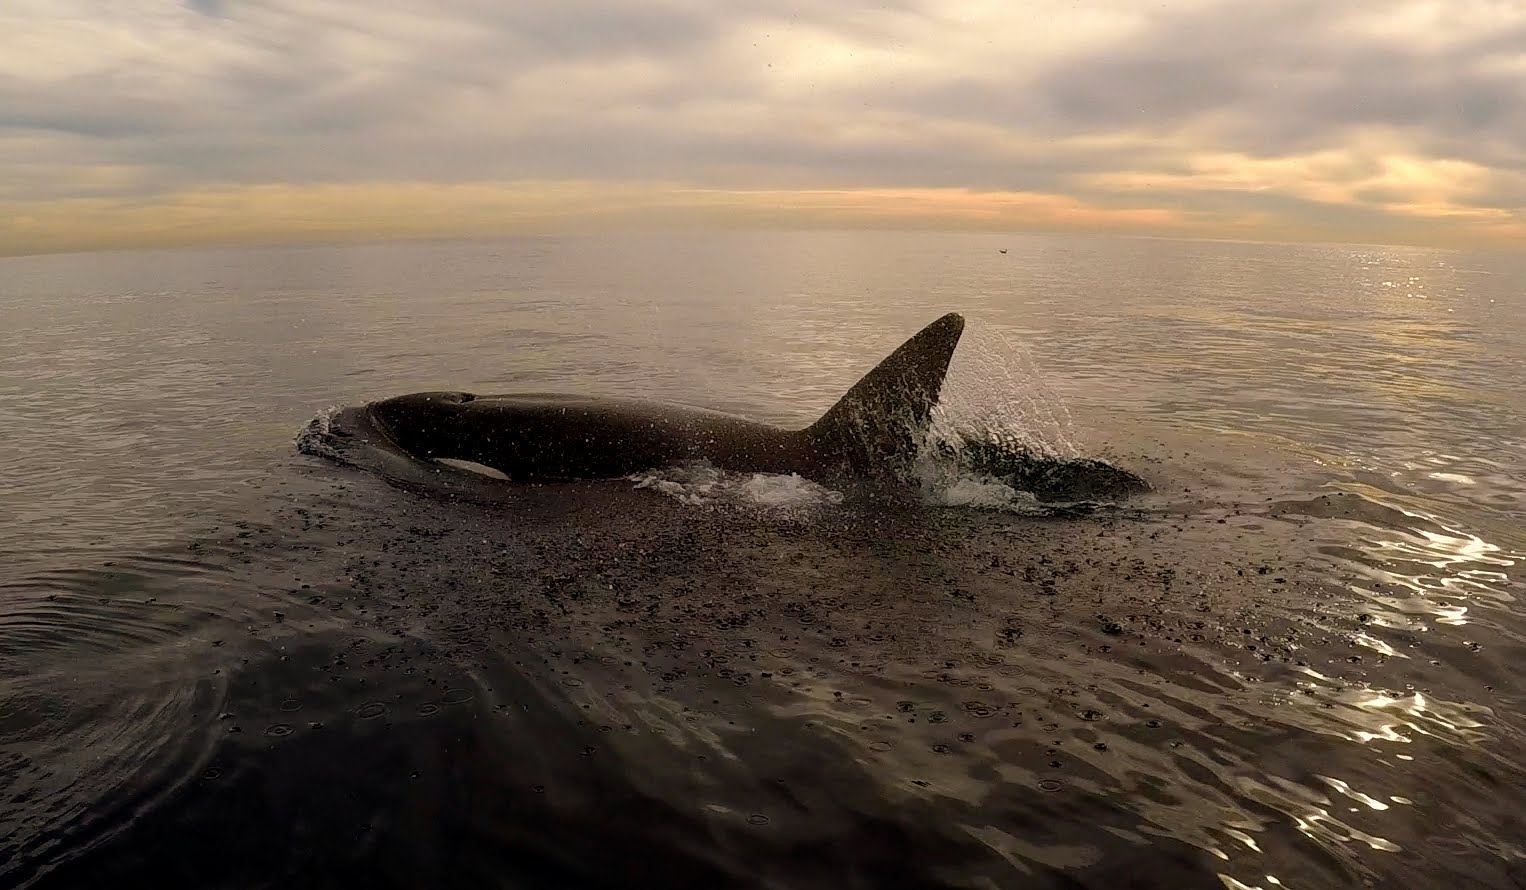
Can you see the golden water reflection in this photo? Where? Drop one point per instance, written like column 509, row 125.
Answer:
column 1364, row 715
column 1428, row 567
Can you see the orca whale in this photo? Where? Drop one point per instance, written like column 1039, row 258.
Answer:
column 873, row 432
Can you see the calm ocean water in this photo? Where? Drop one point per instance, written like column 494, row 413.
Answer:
column 226, row 663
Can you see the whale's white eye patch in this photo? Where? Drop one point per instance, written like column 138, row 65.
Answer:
column 472, row 467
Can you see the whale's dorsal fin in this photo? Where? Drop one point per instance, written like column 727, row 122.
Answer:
column 878, row 425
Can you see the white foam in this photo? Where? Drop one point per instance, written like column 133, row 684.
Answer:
column 946, row 484
column 986, row 493
column 701, row 483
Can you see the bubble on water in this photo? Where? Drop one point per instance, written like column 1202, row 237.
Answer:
column 371, row 710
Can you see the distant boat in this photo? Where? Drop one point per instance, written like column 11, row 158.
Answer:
column 1003, row 249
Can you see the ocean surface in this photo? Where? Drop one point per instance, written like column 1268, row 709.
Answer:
column 1293, row 664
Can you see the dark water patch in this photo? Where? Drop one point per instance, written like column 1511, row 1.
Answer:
column 517, row 789
column 690, row 628
column 113, row 680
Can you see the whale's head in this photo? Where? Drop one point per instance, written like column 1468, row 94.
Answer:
column 427, row 424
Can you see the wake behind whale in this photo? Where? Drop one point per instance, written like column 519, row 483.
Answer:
column 877, row 433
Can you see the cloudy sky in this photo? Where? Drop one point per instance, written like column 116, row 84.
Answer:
column 157, row 122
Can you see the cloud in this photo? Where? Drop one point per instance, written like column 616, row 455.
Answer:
column 1299, row 75
column 1335, row 120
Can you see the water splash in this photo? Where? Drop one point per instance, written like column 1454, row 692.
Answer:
column 316, row 438
column 1000, row 438
column 994, row 393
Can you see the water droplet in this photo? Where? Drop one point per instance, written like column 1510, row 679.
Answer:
column 1051, row 784
column 290, row 705
column 212, row 773
column 278, row 729
column 757, row 819
column 881, row 747
column 941, row 749
column 428, row 709
column 456, row 696
column 371, row 710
